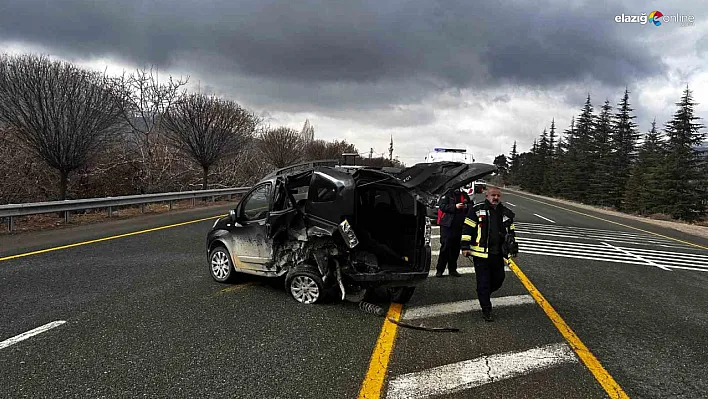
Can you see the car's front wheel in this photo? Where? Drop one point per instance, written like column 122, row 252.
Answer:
column 401, row 294
column 305, row 285
column 220, row 266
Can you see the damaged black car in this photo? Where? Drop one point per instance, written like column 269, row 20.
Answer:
column 327, row 227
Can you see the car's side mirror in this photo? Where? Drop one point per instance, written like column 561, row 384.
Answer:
column 232, row 216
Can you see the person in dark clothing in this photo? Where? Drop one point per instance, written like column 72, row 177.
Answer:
column 489, row 236
column 454, row 206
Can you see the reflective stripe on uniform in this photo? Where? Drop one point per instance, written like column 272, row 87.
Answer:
column 512, row 227
column 470, row 222
column 466, row 237
column 480, row 254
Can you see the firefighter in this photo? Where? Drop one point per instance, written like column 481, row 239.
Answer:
column 489, row 236
column 453, row 206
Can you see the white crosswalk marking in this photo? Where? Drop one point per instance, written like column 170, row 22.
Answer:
column 456, row 377
column 441, row 309
column 609, row 246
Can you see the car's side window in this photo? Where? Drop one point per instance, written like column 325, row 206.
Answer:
column 323, row 190
column 256, row 205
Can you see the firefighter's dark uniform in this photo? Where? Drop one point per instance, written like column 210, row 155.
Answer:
column 451, row 224
column 486, row 229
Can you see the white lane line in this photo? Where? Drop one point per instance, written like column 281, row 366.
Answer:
column 441, row 309
column 463, row 270
column 583, row 229
column 536, row 214
column 637, row 257
column 11, row 341
column 591, row 237
column 550, row 253
column 456, row 377
column 667, row 254
column 508, row 203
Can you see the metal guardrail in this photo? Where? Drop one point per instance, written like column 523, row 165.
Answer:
column 10, row 211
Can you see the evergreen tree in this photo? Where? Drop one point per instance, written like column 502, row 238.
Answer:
column 624, row 139
column 562, row 184
column 602, row 183
column 542, row 162
column 551, row 176
column 514, row 166
column 578, row 162
column 644, row 189
column 683, row 172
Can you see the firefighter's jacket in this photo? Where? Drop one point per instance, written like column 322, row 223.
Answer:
column 475, row 233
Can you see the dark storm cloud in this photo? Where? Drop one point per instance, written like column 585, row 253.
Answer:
column 438, row 44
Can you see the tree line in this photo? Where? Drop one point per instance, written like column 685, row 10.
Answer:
column 602, row 159
column 69, row 132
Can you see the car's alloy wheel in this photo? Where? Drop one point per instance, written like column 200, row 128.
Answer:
column 304, row 289
column 220, row 265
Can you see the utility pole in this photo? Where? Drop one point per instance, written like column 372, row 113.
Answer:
column 371, row 153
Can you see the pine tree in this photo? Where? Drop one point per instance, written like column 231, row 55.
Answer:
column 578, row 163
column 562, row 171
column 624, row 140
column 542, row 163
column 601, row 183
column 643, row 191
column 514, row 167
column 551, row 176
column 684, row 179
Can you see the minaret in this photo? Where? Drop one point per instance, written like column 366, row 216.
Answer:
column 390, row 150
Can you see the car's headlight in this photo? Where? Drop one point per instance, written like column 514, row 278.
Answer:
column 428, row 231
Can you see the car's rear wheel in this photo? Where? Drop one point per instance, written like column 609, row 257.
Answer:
column 401, row 294
column 220, row 265
column 305, row 285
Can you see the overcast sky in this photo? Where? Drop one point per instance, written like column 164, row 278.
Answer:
column 450, row 73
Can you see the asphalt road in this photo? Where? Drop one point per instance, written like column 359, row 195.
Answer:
column 143, row 318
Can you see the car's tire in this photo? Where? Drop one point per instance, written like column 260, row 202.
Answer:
column 305, row 285
column 221, row 267
column 401, row 294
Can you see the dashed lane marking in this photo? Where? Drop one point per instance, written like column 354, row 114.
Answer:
column 31, row 333
column 544, row 218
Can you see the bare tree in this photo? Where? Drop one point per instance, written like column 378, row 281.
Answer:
column 209, row 128
column 64, row 114
column 144, row 100
column 320, row 149
column 281, row 146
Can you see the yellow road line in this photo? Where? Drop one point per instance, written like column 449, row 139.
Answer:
column 106, row 238
column 603, row 377
column 376, row 375
column 611, row 221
